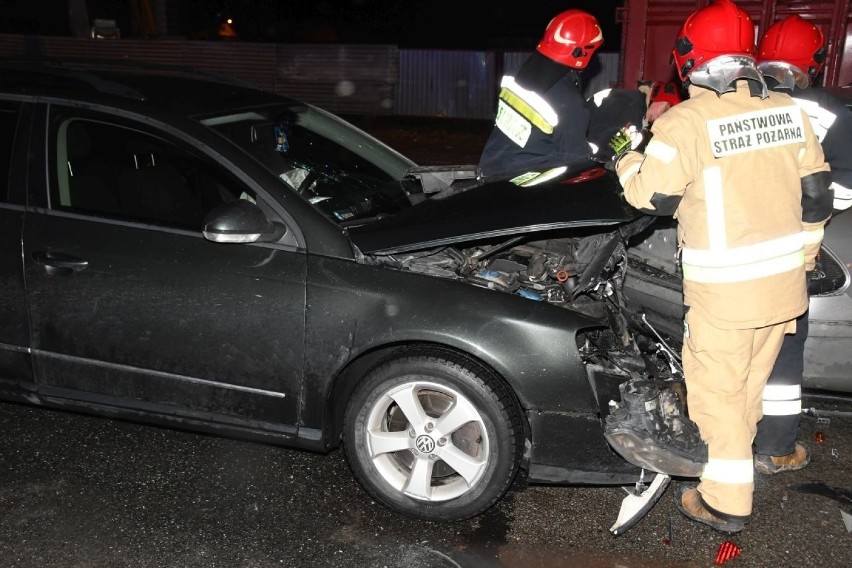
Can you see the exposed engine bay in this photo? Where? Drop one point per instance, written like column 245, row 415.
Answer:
column 617, row 278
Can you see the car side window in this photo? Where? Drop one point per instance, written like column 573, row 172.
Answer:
column 113, row 170
column 8, row 120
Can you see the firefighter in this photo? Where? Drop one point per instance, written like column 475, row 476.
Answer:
column 661, row 96
column 542, row 117
column 741, row 170
column 791, row 55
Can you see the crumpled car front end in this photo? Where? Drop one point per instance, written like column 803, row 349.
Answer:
column 597, row 267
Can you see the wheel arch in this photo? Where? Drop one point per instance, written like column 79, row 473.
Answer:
column 349, row 377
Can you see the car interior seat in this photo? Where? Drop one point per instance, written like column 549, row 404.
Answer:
column 91, row 180
column 151, row 189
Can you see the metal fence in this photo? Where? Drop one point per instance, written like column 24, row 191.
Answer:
column 346, row 79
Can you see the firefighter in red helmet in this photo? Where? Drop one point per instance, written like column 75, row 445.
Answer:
column 742, row 171
column 791, row 55
column 542, row 118
column 661, row 96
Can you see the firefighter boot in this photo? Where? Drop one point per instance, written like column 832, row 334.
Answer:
column 690, row 503
column 770, row 465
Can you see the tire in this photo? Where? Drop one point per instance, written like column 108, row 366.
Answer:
column 434, row 436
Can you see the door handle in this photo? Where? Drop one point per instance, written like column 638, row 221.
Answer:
column 58, row 260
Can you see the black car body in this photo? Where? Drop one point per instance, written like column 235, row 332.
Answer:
column 199, row 253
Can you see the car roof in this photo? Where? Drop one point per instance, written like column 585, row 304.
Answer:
column 181, row 90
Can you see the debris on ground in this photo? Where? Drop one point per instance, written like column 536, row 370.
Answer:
column 638, row 502
column 841, row 495
column 847, row 520
column 727, row 550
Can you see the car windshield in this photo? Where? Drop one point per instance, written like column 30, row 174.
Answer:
column 344, row 172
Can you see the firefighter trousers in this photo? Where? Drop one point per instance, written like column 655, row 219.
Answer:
column 726, row 371
column 782, row 398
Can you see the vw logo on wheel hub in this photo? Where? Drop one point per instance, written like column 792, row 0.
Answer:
column 425, row 444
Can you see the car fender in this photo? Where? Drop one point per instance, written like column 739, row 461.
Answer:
column 524, row 341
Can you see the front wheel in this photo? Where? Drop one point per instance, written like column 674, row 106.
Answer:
column 433, row 436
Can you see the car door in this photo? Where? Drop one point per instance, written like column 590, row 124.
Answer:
column 827, row 362
column 131, row 307
column 15, row 365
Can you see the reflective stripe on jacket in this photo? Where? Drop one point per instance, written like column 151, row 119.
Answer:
column 530, row 105
column 832, row 124
column 729, row 168
column 541, row 123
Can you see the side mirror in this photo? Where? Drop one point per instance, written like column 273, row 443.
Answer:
column 240, row 221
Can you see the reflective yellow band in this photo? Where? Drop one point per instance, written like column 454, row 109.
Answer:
column 628, row 173
column 743, row 272
column 526, row 110
column 540, row 178
column 842, row 196
column 782, row 407
column 729, row 471
column 532, row 98
column 813, row 236
column 523, row 178
column 744, row 254
column 782, row 392
column 661, row 151
column 717, row 228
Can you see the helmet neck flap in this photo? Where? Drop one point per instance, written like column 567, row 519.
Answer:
column 720, row 74
column 786, row 76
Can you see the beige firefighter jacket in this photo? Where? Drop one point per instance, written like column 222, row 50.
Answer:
column 743, row 177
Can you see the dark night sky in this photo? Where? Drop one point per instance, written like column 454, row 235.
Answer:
column 407, row 23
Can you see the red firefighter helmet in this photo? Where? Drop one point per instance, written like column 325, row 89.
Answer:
column 795, row 41
column 664, row 92
column 720, row 29
column 571, row 38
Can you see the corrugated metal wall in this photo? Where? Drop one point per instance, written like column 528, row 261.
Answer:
column 464, row 84
column 254, row 62
column 458, row 84
column 601, row 74
column 346, row 79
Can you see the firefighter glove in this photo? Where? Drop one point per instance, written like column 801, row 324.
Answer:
column 628, row 138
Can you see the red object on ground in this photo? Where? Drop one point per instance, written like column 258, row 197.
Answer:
column 727, row 550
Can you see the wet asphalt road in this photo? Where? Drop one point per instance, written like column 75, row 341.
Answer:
column 85, row 492
column 81, row 491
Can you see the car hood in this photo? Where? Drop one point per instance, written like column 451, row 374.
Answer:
column 590, row 197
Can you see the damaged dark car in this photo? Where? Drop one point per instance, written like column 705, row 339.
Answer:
column 200, row 254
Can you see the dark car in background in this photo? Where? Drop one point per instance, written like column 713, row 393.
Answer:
column 194, row 252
